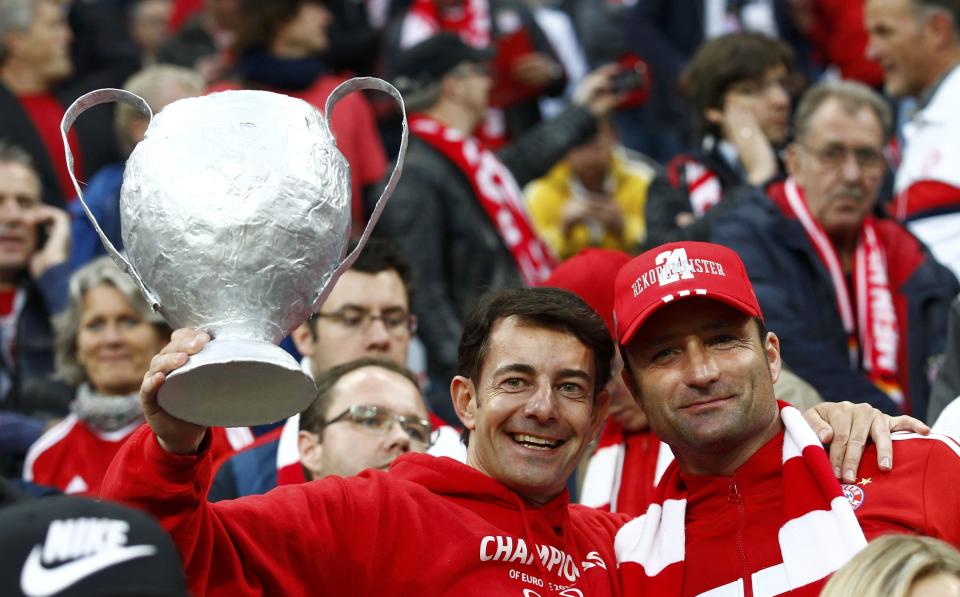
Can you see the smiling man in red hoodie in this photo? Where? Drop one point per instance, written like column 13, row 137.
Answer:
column 532, row 367
column 533, row 364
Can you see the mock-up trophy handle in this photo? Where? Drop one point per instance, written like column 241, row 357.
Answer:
column 342, row 90
column 78, row 107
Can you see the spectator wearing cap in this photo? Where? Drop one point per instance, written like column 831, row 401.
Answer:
column 593, row 198
column 457, row 213
column 860, row 304
column 736, row 87
column 750, row 499
column 68, row 546
column 280, row 46
column 630, row 459
column 530, row 64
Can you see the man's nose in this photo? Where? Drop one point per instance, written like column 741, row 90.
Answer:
column 398, row 440
column 378, row 335
column 851, row 167
column 701, row 367
column 542, row 404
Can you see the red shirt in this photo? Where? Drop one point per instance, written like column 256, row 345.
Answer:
column 73, row 456
column 732, row 522
column 429, row 526
column 45, row 113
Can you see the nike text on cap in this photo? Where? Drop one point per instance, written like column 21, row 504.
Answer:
column 678, row 271
column 75, row 547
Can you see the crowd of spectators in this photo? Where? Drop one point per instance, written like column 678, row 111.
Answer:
column 551, row 143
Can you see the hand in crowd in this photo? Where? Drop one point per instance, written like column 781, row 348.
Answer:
column 602, row 210
column 741, row 126
column 55, row 248
column 850, row 426
column 173, row 434
column 536, row 70
column 595, row 92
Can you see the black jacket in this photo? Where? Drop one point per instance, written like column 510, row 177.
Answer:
column 454, row 248
column 798, row 302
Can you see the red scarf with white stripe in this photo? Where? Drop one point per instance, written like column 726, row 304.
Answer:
column 875, row 332
column 471, row 20
column 624, row 471
column 498, row 193
column 818, row 534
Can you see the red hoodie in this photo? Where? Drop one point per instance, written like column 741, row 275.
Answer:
column 430, row 526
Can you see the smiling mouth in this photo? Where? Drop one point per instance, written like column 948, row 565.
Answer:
column 708, row 402
column 535, row 442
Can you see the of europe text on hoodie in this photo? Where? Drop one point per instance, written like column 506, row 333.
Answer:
column 429, row 526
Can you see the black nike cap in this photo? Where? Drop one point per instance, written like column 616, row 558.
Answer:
column 67, row 546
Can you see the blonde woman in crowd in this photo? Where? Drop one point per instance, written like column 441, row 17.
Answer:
column 105, row 341
column 899, row 566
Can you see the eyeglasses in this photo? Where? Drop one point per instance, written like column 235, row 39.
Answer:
column 397, row 321
column 380, row 419
column 835, row 155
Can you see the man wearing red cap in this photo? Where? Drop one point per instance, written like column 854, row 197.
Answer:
column 751, row 505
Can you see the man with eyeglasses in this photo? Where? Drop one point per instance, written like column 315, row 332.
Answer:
column 367, row 413
column 859, row 303
column 367, row 314
column 736, row 85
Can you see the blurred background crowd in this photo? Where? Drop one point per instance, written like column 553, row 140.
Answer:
column 550, row 140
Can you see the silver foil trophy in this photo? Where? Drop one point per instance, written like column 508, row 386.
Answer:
column 235, row 215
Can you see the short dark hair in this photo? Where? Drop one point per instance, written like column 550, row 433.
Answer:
column 951, row 7
column 314, row 417
column 724, row 61
column 258, row 21
column 378, row 255
column 551, row 308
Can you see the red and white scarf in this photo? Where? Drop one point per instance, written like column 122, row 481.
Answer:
column 876, row 316
column 498, row 193
column 471, row 21
column 819, row 532
column 624, row 471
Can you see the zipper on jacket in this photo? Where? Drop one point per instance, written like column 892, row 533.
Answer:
column 736, row 498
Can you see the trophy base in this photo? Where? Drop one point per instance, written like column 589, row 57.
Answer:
column 235, row 383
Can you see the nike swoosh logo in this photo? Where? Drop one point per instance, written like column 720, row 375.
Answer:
column 37, row 581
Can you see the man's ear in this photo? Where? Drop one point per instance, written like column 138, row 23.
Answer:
column 463, row 393
column 303, row 339
column 311, row 453
column 939, row 30
column 771, row 348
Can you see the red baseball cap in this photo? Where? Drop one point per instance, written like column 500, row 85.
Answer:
column 590, row 274
column 676, row 271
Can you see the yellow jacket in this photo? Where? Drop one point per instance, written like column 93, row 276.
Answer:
column 547, row 196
